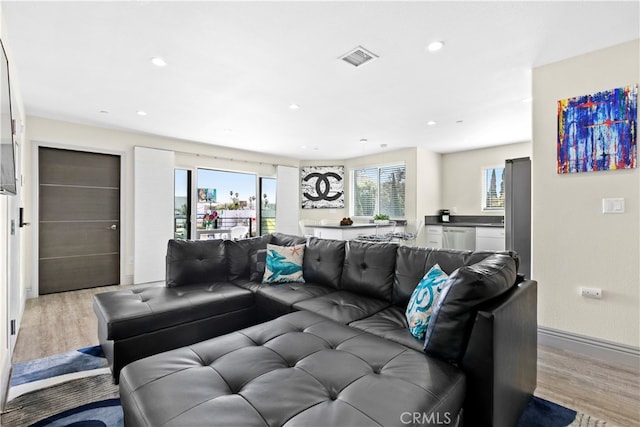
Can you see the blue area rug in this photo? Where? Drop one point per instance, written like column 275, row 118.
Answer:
column 66, row 363
column 105, row 413
column 542, row 413
column 42, row 393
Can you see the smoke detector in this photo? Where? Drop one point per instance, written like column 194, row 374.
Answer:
column 359, row 56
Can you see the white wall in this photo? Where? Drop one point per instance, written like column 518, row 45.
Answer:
column 462, row 176
column 574, row 244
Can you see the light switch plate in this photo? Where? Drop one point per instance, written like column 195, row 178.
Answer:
column 613, row 205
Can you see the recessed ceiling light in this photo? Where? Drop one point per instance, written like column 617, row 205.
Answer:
column 227, row 130
column 294, row 106
column 432, row 123
column 363, row 140
column 459, row 121
column 141, row 113
column 158, row 62
column 435, row 46
column 304, row 147
column 104, row 112
column 527, row 99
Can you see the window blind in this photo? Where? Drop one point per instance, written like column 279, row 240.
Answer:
column 379, row 190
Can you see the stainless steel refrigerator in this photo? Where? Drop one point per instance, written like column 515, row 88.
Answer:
column 517, row 222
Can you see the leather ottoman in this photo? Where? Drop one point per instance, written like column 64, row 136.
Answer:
column 136, row 323
column 299, row 369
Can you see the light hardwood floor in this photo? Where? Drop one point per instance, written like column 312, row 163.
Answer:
column 63, row 322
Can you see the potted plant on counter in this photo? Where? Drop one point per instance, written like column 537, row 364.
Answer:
column 381, row 219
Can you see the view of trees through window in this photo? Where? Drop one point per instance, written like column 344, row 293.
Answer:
column 268, row 205
column 225, row 200
column 379, row 190
column 493, row 188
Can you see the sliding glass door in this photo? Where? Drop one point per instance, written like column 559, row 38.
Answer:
column 267, row 205
column 225, row 200
column 182, row 204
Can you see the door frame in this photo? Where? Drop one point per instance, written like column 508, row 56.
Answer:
column 34, row 290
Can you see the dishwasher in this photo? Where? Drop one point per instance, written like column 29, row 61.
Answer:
column 459, row 237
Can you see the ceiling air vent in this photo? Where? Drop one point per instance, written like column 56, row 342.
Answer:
column 359, row 56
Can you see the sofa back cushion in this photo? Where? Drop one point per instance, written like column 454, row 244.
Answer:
column 282, row 239
column 412, row 264
column 242, row 256
column 465, row 291
column 368, row 268
column 323, row 260
column 195, row 261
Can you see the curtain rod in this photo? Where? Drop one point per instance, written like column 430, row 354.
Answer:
column 228, row 159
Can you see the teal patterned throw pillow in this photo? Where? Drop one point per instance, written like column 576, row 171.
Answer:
column 423, row 299
column 283, row 264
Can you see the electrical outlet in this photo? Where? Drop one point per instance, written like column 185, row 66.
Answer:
column 591, row 292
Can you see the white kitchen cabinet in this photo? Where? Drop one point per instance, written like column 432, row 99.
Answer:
column 490, row 239
column 434, row 236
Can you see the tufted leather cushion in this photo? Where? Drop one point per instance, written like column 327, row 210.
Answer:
column 342, row 306
column 323, row 259
column 368, row 268
column 193, row 262
column 282, row 239
column 132, row 312
column 241, row 254
column 287, row 294
column 299, row 369
column 390, row 323
column 466, row 289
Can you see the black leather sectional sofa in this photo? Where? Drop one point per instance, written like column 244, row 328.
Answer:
column 333, row 351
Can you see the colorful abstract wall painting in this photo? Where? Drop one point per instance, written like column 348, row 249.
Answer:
column 598, row 132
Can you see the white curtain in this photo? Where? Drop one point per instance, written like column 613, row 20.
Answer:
column 287, row 199
column 153, row 185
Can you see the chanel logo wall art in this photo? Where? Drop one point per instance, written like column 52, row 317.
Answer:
column 322, row 187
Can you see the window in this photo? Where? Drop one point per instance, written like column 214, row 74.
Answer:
column 493, row 189
column 379, row 190
column 267, row 205
column 225, row 200
column 182, row 204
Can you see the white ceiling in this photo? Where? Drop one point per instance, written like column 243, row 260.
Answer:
column 235, row 67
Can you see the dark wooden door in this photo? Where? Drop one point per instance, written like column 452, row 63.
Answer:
column 79, row 221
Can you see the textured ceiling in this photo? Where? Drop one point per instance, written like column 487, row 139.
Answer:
column 235, row 67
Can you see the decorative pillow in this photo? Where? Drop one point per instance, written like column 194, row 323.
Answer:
column 258, row 260
column 423, row 299
column 283, row 264
column 468, row 287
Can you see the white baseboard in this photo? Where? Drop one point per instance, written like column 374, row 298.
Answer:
column 610, row 352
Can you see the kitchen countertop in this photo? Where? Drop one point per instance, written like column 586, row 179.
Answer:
column 467, row 221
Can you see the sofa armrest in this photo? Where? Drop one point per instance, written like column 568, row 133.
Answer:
column 501, row 358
